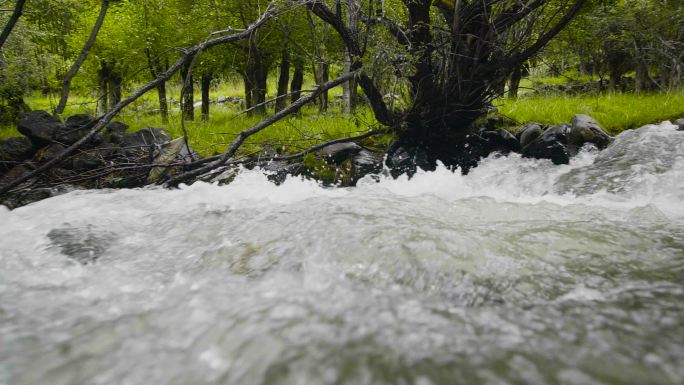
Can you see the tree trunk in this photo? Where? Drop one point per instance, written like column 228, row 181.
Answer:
column 16, row 14
column 206, row 85
column 66, row 84
column 322, row 77
column 297, row 81
column 349, row 88
column 248, row 91
column 514, row 83
column 115, row 82
column 641, row 79
column 103, row 94
column 283, row 81
column 188, row 97
column 156, row 70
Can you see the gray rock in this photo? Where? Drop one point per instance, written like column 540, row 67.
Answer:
column 78, row 121
column 679, row 123
column 145, row 137
column 338, row 153
column 364, row 163
column 14, row 150
column 87, row 161
column 82, row 245
column 585, row 129
column 529, row 133
column 40, row 127
column 406, row 160
column 117, row 128
column 49, row 153
column 15, row 173
column 501, row 141
column 556, row 151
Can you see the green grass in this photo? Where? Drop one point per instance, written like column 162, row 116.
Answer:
column 614, row 111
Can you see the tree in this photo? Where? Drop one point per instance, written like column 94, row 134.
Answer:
column 81, row 57
column 453, row 56
column 16, row 14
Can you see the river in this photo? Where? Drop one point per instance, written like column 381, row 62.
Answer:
column 521, row 272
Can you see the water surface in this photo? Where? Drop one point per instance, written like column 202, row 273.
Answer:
column 521, row 272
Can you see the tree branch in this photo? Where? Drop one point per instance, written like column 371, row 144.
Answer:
column 242, row 136
column 18, row 9
column 187, row 55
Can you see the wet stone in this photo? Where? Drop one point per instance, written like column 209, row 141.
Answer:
column 84, row 245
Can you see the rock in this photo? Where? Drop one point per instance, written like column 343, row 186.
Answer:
column 407, row 160
column 82, row 245
column 89, row 160
column 76, row 128
column 501, row 141
column 547, row 147
column 529, row 133
column 169, row 152
column 78, row 121
column 365, row 162
column 558, row 133
column 278, row 171
column 679, row 123
column 49, row 153
column 145, row 137
column 339, row 152
column 40, row 127
column 14, row 150
column 585, row 129
column 117, row 128
column 15, row 173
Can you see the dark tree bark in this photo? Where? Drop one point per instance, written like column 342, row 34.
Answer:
column 103, row 93
column 156, row 70
column 322, row 77
column 283, row 80
column 16, row 14
column 188, row 93
column 206, row 86
column 66, row 84
column 297, row 80
column 456, row 71
column 115, row 82
column 514, row 83
column 256, row 77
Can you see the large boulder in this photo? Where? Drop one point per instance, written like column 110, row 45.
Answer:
column 366, row 162
column 529, row 133
column 339, row 152
column 679, row 123
column 145, row 137
column 13, row 151
column 40, row 127
column 407, row 160
column 551, row 145
column 501, row 141
column 49, row 153
column 584, row 129
column 78, row 126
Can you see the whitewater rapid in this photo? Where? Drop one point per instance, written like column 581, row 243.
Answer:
column 521, row 272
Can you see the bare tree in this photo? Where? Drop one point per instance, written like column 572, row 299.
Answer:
column 66, row 83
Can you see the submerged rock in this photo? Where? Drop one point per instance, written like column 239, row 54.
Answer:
column 82, row 245
column 366, row 162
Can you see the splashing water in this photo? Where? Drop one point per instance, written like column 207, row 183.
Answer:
column 521, row 272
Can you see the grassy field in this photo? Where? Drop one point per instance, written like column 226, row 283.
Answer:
column 614, row 111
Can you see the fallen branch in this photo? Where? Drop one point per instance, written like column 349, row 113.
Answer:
column 102, row 123
column 242, row 136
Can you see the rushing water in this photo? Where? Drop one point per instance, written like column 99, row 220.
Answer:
column 521, row 272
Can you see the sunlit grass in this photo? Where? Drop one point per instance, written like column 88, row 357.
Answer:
column 614, row 111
